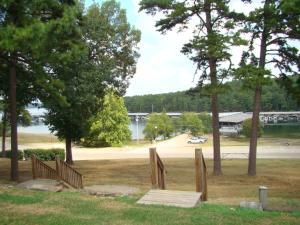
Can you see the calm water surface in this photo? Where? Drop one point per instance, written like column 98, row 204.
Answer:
column 284, row 131
column 136, row 129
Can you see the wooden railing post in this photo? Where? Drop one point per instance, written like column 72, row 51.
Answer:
column 154, row 168
column 164, row 179
column 33, row 162
column 58, row 167
column 204, row 196
column 198, row 169
column 62, row 172
column 200, row 174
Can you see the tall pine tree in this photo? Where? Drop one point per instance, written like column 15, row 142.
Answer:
column 208, row 48
column 27, row 38
column 272, row 27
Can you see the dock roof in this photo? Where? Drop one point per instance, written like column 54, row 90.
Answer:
column 236, row 118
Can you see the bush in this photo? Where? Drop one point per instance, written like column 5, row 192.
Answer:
column 246, row 128
column 45, row 154
column 206, row 121
column 158, row 125
column 110, row 126
column 8, row 154
column 192, row 123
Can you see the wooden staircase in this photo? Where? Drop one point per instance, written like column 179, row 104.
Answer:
column 186, row 199
column 63, row 172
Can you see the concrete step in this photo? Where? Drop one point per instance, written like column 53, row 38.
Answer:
column 185, row 199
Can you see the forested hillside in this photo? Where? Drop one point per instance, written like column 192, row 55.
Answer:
column 237, row 98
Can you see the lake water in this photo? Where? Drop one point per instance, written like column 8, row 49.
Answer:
column 291, row 130
column 35, row 129
column 284, row 131
column 136, row 129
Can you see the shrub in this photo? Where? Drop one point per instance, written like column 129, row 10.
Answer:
column 246, row 128
column 45, row 154
column 8, row 154
column 206, row 121
column 158, row 125
column 192, row 123
column 110, row 126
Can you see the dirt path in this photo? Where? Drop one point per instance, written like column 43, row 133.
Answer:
column 176, row 147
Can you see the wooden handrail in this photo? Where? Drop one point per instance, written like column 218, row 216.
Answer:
column 68, row 174
column 159, row 162
column 42, row 170
column 63, row 172
column 158, row 172
column 201, row 174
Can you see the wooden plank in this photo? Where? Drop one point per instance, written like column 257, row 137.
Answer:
column 204, row 196
column 154, row 169
column 33, row 161
column 58, row 167
column 185, row 199
column 163, row 179
column 198, row 169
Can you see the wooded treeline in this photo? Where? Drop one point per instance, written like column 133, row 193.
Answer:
column 237, row 98
column 70, row 59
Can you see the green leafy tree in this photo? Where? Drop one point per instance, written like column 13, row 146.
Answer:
column 107, row 60
column 239, row 98
column 176, row 124
column 158, row 125
column 110, row 127
column 3, row 126
column 292, row 86
column 274, row 25
column 166, row 127
column 246, row 128
column 151, row 129
column 208, row 49
column 191, row 122
column 206, row 121
column 24, row 119
column 28, row 33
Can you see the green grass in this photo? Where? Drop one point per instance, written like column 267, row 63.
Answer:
column 224, row 194
column 77, row 208
column 138, row 143
column 280, row 176
column 269, row 138
column 27, row 138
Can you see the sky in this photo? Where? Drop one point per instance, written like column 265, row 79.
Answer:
column 161, row 67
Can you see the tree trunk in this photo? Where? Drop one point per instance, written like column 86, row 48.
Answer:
column 254, row 133
column 69, row 157
column 13, row 119
column 214, row 94
column 257, row 102
column 4, row 132
column 216, row 134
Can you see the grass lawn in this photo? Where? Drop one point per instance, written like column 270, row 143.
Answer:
column 280, row 176
column 33, row 207
column 27, row 138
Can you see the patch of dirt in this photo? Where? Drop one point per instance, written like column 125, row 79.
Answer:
column 42, row 185
column 111, row 190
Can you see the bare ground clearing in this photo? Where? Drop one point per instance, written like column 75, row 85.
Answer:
column 280, row 176
column 177, row 147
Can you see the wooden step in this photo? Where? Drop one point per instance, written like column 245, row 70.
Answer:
column 185, row 199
